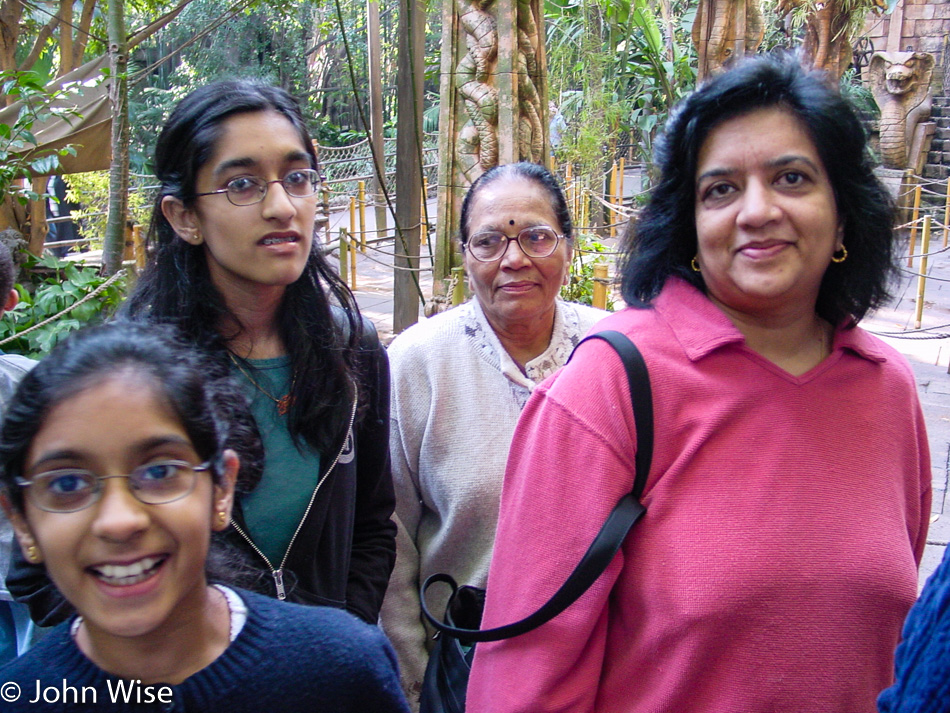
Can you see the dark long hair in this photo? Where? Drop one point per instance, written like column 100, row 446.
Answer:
column 176, row 285
column 663, row 241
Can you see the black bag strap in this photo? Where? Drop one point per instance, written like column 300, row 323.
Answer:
column 625, row 513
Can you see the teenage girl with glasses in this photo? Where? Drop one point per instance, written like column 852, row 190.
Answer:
column 121, row 514
column 233, row 264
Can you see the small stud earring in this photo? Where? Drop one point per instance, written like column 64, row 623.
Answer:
column 842, row 257
column 33, row 554
column 695, row 265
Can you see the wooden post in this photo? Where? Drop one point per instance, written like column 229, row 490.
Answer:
column 623, row 168
column 352, row 217
column 352, row 242
column 904, row 194
column 325, row 199
column 344, row 256
column 409, row 79
column 599, row 299
column 424, row 235
column 585, row 207
column 458, row 292
column 612, row 213
column 361, row 198
column 922, row 278
column 128, row 248
column 39, row 228
column 913, row 226
column 138, row 248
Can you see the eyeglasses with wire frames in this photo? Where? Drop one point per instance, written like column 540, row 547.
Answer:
column 72, row 489
column 248, row 190
column 491, row 245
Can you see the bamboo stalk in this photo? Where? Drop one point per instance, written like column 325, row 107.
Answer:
column 325, row 201
column 343, row 256
column 138, row 247
column 352, row 263
column 424, row 233
column 623, row 168
column 922, row 278
column 913, row 227
column 612, row 213
column 458, row 293
column 599, row 298
column 361, row 200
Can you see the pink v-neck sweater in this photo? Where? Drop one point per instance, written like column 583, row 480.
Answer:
column 785, row 520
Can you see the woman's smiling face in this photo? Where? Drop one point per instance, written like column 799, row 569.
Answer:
column 766, row 218
column 131, row 569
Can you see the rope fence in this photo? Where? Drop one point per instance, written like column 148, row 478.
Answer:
column 117, row 276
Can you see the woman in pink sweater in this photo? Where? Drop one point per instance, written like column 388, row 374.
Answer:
column 788, row 498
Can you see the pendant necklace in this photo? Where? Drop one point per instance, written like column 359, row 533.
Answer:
column 283, row 403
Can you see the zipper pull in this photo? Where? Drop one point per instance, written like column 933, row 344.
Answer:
column 278, row 575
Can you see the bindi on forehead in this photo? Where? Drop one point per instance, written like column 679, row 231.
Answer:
column 511, row 222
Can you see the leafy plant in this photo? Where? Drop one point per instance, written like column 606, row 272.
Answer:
column 858, row 93
column 91, row 191
column 57, row 286
column 19, row 158
column 587, row 253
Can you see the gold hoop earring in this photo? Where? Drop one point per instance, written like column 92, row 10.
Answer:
column 842, row 257
column 33, row 554
column 695, row 265
column 222, row 518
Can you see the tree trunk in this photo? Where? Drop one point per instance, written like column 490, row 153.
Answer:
column 407, row 295
column 114, row 242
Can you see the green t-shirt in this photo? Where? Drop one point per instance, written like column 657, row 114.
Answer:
column 274, row 508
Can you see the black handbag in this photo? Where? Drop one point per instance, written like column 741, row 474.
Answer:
column 446, row 676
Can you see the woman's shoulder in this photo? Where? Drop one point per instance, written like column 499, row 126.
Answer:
column 873, row 349
column 369, row 336
column 585, row 315
column 437, row 331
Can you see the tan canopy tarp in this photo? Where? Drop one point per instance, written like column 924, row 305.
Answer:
column 90, row 135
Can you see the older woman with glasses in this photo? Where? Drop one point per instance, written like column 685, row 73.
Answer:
column 233, row 265
column 460, row 381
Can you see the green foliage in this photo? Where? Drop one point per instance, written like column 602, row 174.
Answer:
column 580, row 287
column 656, row 73
column 854, row 12
column 16, row 160
column 57, row 285
column 91, row 191
column 617, row 67
column 858, row 93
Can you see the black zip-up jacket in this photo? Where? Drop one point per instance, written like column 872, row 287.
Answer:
column 345, row 548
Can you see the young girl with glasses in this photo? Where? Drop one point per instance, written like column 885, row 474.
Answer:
column 116, row 473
